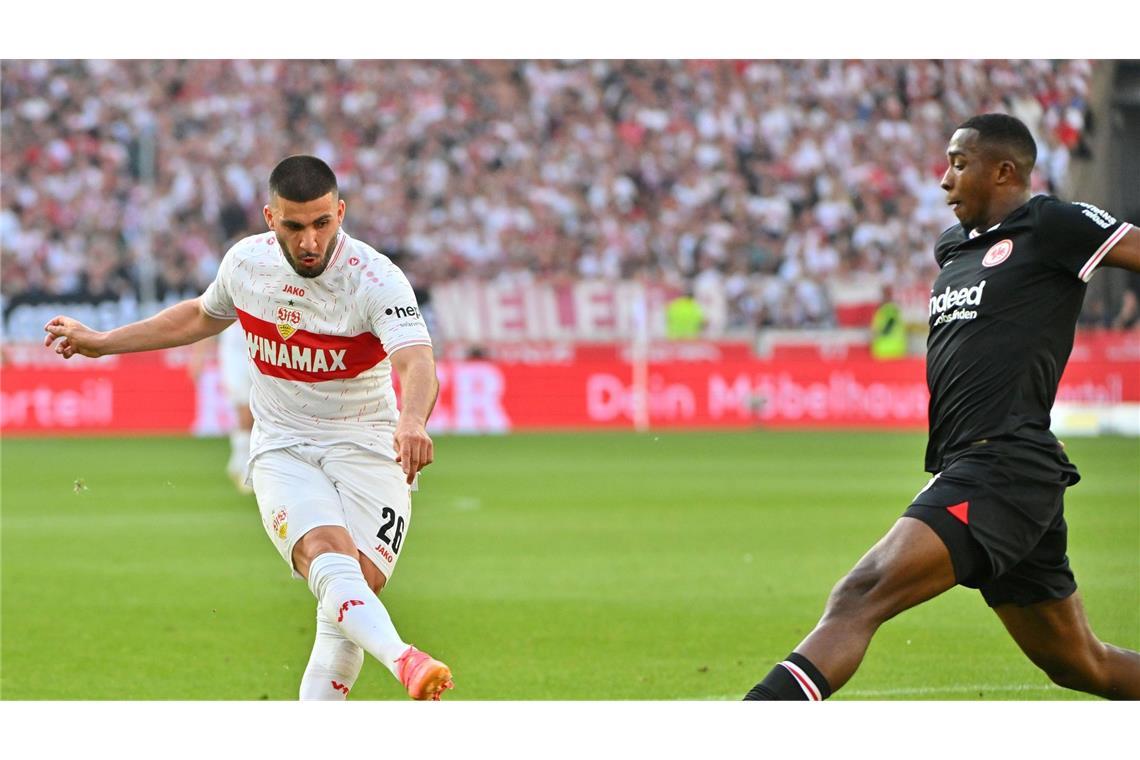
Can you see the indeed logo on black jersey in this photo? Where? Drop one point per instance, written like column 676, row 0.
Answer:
column 955, row 299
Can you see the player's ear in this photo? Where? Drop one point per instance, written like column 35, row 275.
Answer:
column 340, row 210
column 1007, row 172
column 267, row 212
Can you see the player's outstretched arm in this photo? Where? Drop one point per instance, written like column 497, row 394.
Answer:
column 1126, row 253
column 177, row 325
column 415, row 366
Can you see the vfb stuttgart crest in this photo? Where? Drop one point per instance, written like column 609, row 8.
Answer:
column 998, row 253
column 287, row 321
column 281, row 523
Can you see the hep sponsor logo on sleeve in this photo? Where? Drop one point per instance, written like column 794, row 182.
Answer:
column 941, row 304
column 403, row 312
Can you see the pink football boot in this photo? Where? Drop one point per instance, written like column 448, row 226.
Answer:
column 423, row 677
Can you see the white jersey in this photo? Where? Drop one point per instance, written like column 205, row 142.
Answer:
column 318, row 346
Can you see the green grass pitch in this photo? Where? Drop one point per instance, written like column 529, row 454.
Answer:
column 604, row 566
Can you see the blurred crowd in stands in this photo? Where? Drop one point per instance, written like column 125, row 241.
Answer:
column 776, row 181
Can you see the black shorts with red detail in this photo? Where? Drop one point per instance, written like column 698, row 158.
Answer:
column 999, row 508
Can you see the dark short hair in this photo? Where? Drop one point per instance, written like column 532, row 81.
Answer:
column 301, row 179
column 1005, row 136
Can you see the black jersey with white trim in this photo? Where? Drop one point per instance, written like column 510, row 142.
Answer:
column 1003, row 313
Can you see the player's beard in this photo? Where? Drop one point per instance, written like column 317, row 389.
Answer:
column 317, row 269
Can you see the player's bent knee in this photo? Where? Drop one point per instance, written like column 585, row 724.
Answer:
column 1070, row 675
column 851, row 595
column 372, row 574
column 321, row 540
column 1079, row 670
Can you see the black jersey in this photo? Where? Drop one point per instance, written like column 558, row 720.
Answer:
column 1003, row 312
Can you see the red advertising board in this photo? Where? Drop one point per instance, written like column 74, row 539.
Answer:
column 159, row 393
column 486, row 396
column 156, row 392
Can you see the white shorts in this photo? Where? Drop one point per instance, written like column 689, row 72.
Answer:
column 304, row 487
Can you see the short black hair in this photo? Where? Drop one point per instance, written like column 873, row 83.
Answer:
column 301, row 179
column 1005, row 136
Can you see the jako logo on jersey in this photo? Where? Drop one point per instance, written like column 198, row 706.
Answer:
column 998, row 253
column 293, row 290
column 403, row 311
column 950, row 299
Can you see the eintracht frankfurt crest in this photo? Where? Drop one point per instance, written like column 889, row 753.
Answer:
column 998, row 253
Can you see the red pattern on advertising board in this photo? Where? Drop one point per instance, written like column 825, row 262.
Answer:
column 133, row 394
column 154, row 394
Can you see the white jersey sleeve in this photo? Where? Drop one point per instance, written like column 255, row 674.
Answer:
column 217, row 301
column 394, row 315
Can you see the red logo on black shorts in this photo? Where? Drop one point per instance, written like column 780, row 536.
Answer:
column 961, row 511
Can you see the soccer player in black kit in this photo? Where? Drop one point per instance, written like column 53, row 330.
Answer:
column 1003, row 312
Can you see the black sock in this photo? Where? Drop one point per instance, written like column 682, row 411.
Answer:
column 786, row 682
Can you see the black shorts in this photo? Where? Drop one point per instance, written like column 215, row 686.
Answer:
column 999, row 508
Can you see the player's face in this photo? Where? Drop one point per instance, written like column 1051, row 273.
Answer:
column 306, row 231
column 969, row 179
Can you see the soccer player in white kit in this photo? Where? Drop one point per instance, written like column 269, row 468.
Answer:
column 233, row 364
column 332, row 462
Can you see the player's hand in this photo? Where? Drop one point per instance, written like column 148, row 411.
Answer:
column 74, row 338
column 414, row 448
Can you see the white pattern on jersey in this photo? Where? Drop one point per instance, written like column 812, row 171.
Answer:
column 318, row 347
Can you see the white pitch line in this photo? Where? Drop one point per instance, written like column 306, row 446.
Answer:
column 949, row 690
column 920, row 691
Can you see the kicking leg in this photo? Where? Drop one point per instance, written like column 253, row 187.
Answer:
column 336, row 660
column 906, row 567
column 329, row 560
column 1056, row 636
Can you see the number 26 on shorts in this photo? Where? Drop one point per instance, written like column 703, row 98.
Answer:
column 391, row 520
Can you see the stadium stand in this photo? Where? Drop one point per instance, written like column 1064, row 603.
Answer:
column 792, row 190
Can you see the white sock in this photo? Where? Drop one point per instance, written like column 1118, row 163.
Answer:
column 344, row 596
column 334, row 664
column 239, row 451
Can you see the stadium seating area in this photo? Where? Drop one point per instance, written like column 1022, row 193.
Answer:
column 778, row 182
